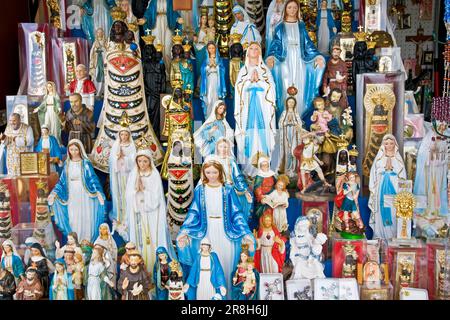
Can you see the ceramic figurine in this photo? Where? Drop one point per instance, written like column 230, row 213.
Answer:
column 161, row 273
column 264, row 184
column 77, row 201
column 146, row 209
column 78, row 277
column 213, row 129
column 254, row 110
column 99, row 274
column 245, row 278
column 206, row 277
column 278, row 201
column 290, row 130
column 121, row 162
column 212, row 79
column 216, row 212
column 387, row 170
column 134, row 282
column 83, row 86
column 78, row 122
column 17, row 138
column 233, row 175
column 306, row 251
column 271, row 250
column 11, row 261
column 293, row 64
column 30, row 288
column 273, row 17
column 336, row 74
column 326, row 29
column 42, row 265
column 97, row 61
column 244, row 26
column 49, row 144
column 61, row 286
column 7, row 284
column 49, row 111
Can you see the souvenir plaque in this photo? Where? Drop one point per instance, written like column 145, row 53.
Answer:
column 34, row 163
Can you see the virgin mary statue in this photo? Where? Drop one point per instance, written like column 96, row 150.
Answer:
column 146, row 209
column 295, row 61
column 77, row 202
column 254, row 109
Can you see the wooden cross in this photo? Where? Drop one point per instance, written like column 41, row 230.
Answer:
column 418, row 40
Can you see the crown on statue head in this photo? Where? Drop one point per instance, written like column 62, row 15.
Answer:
column 204, row 11
column 342, row 143
column 360, row 35
column 235, row 38
column 187, row 47
column 353, row 152
column 188, row 89
column 159, row 47
column 148, row 39
column 177, row 38
column 118, row 14
column 176, row 267
column 370, row 43
column 142, row 143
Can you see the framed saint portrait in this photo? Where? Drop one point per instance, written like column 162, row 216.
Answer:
column 428, row 58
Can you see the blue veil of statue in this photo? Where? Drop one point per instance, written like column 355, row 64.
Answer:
column 195, row 225
column 161, row 293
column 217, row 276
column 87, row 20
column 222, row 88
column 313, row 76
column 91, row 183
column 330, row 22
column 151, row 14
column 67, row 278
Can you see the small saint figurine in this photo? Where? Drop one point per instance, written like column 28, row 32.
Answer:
column 387, row 170
column 61, row 286
column 347, row 203
column 290, row 130
column 336, row 74
column 134, row 282
column 77, row 200
column 245, row 278
column 306, row 251
column 49, row 111
column 278, row 201
column 49, row 144
column 215, row 127
column 79, row 122
column 7, row 284
column 161, row 273
column 212, row 79
column 326, row 29
column 271, row 250
column 18, row 137
column 72, row 243
column 30, row 288
column 78, row 277
column 175, row 284
column 121, row 162
column 264, row 184
column 11, row 261
column 320, row 117
column 83, row 86
column 42, row 265
column 206, row 277
column 97, row 61
column 107, row 242
column 99, row 274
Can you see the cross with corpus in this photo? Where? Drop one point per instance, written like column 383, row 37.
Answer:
column 418, row 40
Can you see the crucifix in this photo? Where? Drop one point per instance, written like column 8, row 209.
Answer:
column 418, row 40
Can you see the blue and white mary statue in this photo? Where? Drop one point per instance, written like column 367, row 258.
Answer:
column 216, row 213
column 295, row 61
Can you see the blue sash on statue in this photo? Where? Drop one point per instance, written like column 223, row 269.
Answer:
column 387, row 188
column 255, row 121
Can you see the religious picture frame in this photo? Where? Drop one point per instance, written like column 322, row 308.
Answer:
column 271, row 286
column 348, row 289
column 375, row 294
column 34, row 163
column 428, row 57
column 17, row 104
column 413, row 294
column 405, row 21
column 326, row 289
column 299, row 289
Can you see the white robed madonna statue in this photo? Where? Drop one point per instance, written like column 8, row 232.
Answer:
column 146, row 209
column 387, row 169
column 77, row 203
column 295, row 61
column 121, row 163
column 254, row 109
